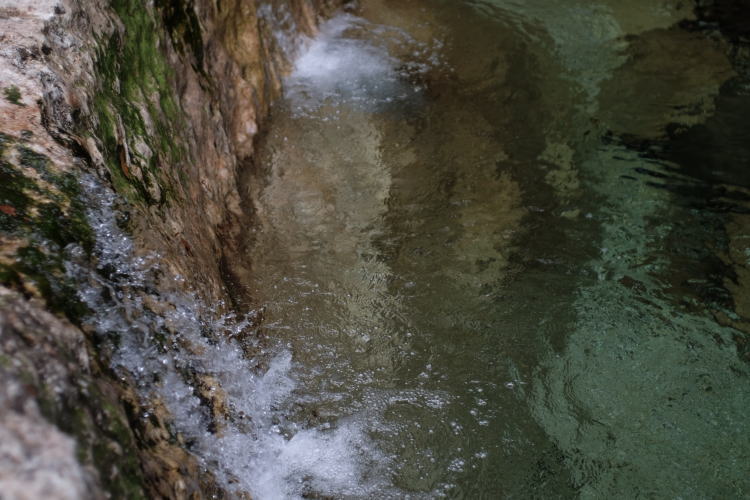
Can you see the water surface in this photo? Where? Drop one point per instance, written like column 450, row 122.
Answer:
column 505, row 245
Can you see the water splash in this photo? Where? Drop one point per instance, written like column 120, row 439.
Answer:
column 343, row 66
column 186, row 354
column 203, row 364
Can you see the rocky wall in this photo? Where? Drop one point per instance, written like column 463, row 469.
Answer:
column 161, row 100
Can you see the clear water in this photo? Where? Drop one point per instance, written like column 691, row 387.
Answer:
column 500, row 250
column 502, row 247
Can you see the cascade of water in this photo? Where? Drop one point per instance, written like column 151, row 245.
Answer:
column 343, row 66
column 498, row 277
column 249, row 446
column 283, row 28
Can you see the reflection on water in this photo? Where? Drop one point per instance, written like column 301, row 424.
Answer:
column 507, row 245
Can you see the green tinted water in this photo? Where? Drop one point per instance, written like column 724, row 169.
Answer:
column 508, row 242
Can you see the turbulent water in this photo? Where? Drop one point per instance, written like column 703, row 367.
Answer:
column 501, row 250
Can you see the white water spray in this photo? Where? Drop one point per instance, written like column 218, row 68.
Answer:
column 343, row 66
column 256, row 449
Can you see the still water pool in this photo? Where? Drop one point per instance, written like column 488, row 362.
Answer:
column 507, row 245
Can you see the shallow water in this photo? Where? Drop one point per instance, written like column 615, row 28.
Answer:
column 505, row 245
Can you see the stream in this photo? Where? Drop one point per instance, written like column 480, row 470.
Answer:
column 496, row 238
column 501, row 249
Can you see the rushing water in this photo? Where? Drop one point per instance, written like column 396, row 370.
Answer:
column 501, row 250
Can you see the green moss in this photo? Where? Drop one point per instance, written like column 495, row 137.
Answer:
column 106, row 131
column 54, row 225
column 47, row 272
column 65, row 182
column 73, row 227
column 13, row 95
column 13, row 185
column 137, row 79
column 5, row 141
column 14, row 199
column 47, row 219
column 30, row 158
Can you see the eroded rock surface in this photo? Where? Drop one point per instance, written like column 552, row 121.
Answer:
column 162, row 101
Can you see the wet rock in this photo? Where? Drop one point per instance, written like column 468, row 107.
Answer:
column 44, row 374
column 53, row 470
column 162, row 100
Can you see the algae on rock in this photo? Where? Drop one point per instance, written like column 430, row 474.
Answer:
column 159, row 100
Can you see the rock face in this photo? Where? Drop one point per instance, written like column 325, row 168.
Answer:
column 163, row 101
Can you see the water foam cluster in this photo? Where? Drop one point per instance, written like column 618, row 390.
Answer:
column 166, row 341
column 355, row 62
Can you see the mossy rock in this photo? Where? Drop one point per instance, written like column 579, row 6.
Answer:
column 136, row 89
column 13, row 95
column 42, row 211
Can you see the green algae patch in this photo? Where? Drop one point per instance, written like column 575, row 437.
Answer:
column 13, row 95
column 41, row 213
column 138, row 119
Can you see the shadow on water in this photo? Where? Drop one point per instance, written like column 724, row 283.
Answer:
column 507, row 245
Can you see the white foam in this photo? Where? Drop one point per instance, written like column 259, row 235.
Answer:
column 283, row 27
column 345, row 63
column 256, row 449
